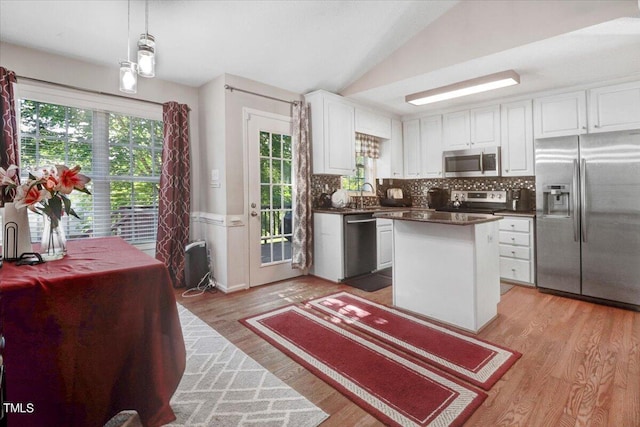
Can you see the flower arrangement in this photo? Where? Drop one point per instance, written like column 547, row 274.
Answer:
column 46, row 190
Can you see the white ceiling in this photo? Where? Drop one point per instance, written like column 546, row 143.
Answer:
column 306, row 45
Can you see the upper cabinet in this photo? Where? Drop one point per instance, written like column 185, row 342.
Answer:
column 456, row 130
column 560, row 115
column 517, row 139
column 431, row 146
column 485, row 127
column 391, row 161
column 479, row 127
column 614, row 108
column 332, row 134
column 411, row 138
column 372, row 123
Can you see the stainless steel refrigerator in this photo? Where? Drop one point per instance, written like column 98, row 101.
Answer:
column 588, row 215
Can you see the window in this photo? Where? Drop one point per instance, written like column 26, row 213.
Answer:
column 365, row 172
column 120, row 152
column 367, row 150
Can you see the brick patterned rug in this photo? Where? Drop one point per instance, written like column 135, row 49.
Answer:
column 222, row 386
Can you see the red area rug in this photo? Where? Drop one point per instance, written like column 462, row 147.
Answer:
column 474, row 360
column 396, row 390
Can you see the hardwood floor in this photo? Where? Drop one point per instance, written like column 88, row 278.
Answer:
column 580, row 363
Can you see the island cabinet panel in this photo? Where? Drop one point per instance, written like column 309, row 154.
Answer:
column 447, row 272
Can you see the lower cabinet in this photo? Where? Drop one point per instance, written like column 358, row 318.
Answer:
column 384, row 241
column 517, row 250
column 328, row 247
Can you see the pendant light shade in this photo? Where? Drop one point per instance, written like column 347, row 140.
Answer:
column 146, row 55
column 128, row 77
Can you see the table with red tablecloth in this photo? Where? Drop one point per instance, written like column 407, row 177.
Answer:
column 90, row 335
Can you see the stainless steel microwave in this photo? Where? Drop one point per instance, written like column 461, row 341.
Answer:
column 476, row 162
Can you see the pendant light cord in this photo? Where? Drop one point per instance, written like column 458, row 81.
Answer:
column 129, row 31
column 146, row 18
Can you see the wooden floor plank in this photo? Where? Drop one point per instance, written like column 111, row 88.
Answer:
column 580, row 363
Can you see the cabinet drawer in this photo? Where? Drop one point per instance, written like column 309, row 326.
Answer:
column 515, row 224
column 512, row 238
column 515, row 269
column 519, row 252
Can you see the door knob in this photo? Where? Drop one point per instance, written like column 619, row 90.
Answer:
column 254, row 213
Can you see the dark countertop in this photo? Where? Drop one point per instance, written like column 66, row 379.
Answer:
column 369, row 209
column 451, row 218
column 531, row 214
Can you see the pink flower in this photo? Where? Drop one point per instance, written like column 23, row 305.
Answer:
column 29, row 196
column 9, row 176
column 70, row 179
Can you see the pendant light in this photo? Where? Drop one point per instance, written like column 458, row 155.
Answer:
column 146, row 48
column 128, row 69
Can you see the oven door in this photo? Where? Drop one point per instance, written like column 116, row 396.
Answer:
column 472, row 163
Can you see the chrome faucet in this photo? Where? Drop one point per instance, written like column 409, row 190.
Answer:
column 361, row 195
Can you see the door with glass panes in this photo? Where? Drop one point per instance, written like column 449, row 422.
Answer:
column 271, row 192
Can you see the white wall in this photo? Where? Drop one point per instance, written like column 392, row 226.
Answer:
column 222, row 219
column 216, row 128
column 57, row 69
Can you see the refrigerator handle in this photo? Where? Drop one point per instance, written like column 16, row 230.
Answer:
column 574, row 201
column 583, row 200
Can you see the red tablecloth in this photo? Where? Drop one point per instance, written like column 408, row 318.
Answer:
column 90, row 335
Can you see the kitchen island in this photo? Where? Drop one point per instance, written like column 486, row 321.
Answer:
column 446, row 266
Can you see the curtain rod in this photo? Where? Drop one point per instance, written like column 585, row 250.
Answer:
column 231, row 88
column 97, row 92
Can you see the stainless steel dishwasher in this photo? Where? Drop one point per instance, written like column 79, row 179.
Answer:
column 360, row 252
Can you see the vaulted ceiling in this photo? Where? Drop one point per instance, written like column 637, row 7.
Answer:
column 374, row 51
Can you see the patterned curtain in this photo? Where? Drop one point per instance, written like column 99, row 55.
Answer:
column 367, row 145
column 9, row 139
column 302, row 246
column 175, row 191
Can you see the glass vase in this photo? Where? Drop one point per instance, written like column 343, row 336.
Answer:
column 54, row 243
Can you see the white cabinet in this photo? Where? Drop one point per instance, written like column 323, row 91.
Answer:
column 431, row 146
column 411, row 142
column 485, row 127
column 390, row 164
column 517, row 249
column 614, row 108
column 560, row 115
column 372, row 123
column 328, row 249
column 476, row 128
column 456, row 130
column 384, row 229
column 517, row 155
column 332, row 134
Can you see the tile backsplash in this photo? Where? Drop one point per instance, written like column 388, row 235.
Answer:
column 417, row 188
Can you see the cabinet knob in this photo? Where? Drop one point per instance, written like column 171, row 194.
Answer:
column 584, row 128
column 513, row 225
column 506, row 170
column 596, row 126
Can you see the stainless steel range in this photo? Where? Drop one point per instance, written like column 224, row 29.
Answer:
column 487, row 202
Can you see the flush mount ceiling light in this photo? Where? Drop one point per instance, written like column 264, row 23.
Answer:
column 468, row 87
column 128, row 69
column 146, row 48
